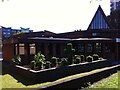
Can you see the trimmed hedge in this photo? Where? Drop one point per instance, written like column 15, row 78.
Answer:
column 95, row 57
column 82, row 58
column 77, row 59
column 89, row 58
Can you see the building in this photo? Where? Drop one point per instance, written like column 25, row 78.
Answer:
column 99, row 38
column 8, row 31
column 115, row 4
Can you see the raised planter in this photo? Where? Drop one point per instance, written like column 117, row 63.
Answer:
column 81, row 81
column 52, row 74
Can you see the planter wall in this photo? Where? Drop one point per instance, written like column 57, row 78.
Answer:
column 56, row 73
column 81, row 81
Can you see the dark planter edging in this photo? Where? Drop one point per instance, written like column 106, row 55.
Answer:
column 56, row 73
column 81, row 81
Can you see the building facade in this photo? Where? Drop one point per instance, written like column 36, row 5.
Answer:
column 8, row 31
column 115, row 4
column 99, row 39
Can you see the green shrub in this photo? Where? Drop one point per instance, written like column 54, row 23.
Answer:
column 69, row 53
column 100, row 58
column 95, row 57
column 63, row 62
column 47, row 64
column 32, row 65
column 89, row 58
column 77, row 59
column 39, row 59
column 54, row 61
column 17, row 59
column 82, row 57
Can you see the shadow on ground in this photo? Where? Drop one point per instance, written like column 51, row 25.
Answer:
column 23, row 80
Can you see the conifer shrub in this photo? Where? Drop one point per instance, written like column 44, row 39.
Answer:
column 89, row 58
column 95, row 57
column 54, row 61
column 69, row 53
column 77, row 59
column 82, row 57
column 63, row 62
column 47, row 65
column 32, row 65
column 100, row 58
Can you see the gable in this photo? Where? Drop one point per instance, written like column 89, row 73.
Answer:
column 99, row 20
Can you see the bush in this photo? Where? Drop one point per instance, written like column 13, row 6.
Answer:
column 82, row 57
column 63, row 62
column 69, row 53
column 76, row 59
column 39, row 60
column 54, row 61
column 95, row 57
column 32, row 65
column 89, row 58
column 100, row 58
column 17, row 59
column 47, row 64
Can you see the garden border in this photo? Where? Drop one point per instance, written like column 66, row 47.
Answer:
column 52, row 74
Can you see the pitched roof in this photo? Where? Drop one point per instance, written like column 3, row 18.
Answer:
column 99, row 20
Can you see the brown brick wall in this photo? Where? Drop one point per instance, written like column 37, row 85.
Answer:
column 8, row 51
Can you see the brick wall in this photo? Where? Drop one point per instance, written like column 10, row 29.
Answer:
column 8, row 51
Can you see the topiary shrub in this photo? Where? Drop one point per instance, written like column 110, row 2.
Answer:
column 54, row 61
column 82, row 57
column 69, row 53
column 100, row 58
column 95, row 57
column 47, row 64
column 32, row 65
column 17, row 59
column 63, row 62
column 89, row 58
column 77, row 59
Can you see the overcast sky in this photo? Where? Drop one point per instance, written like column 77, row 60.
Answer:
column 53, row 15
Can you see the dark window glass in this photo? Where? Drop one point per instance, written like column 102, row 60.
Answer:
column 89, row 48
column 80, row 47
column 98, row 47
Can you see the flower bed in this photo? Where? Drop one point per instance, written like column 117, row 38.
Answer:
column 51, row 74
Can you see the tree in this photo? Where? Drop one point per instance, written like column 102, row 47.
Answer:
column 114, row 19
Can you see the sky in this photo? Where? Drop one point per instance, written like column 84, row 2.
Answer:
column 53, row 15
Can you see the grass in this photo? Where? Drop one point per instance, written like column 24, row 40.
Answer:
column 14, row 81
column 110, row 82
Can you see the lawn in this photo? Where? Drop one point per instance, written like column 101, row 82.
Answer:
column 112, row 81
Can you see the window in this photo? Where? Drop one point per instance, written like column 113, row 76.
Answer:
column 94, row 34
column 107, row 48
column 80, row 47
column 98, row 47
column 89, row 48
column 32, row 49
column 21, row 49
